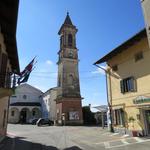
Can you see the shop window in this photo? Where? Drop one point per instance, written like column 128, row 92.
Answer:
column 138, row 56
column 127, row 85
column 12, row 113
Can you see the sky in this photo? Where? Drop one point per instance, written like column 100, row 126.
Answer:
column 102, row 26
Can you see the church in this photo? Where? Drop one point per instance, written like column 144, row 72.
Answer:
column 68, row 100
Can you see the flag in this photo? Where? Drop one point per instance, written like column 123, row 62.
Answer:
column 24, row 75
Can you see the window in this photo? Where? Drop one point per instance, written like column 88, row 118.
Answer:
column 3, row 69
column 70, row 79
column 138, row 56
column 118, row 118
column 70, row 54
column 70, row 40
column 12, row 113
column 33, row 113
column 61, row 40
column 24, row 96
column 127, row 85
column 14, row 96
column 115, row 68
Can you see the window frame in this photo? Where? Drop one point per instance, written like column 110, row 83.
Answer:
column 128, row 85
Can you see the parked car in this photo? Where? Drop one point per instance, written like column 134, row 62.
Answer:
column 44, row 121
column 33, row 121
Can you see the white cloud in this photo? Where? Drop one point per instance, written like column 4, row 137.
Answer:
column 99, row 71
column 49, row 62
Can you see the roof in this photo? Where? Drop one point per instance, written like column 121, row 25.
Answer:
column 67, row 23
column 102, row 108
column 68, row 20
column 8, row 23
column 28, row 85
column 123, row 47
column 25, row 104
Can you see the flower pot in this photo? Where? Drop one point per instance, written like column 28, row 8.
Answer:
column 134, row 133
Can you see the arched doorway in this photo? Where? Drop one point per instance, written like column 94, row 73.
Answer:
column 24, row 114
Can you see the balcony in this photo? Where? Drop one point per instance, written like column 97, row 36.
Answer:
column 5, row 85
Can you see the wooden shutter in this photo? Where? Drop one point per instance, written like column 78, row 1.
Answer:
column 121, row 86
column 133, row 85
column 3, row 70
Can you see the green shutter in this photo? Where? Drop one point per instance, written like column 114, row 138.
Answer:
column 121, row 86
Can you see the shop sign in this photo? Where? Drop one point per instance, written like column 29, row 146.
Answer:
column 141, row 99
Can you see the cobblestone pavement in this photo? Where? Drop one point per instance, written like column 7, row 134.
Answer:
column 31, row 137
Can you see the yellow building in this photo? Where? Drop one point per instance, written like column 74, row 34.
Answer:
column 8, row 57
column 128, row 78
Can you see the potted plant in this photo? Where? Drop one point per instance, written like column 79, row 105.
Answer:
column 131, row 120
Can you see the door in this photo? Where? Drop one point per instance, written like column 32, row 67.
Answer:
column 23, row 116
column 147, row 115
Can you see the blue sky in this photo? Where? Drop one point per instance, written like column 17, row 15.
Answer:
column 102, row 25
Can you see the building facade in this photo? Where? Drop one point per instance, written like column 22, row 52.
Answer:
column 68, row 101
column 49, row 104
column 146, row 12
column 128, row 77
column 8, row 57
column 25, row 104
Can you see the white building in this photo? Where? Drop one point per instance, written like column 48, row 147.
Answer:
column 49, row 103
column 25, row 104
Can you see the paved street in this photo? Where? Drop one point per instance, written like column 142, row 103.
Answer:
column 31, row 137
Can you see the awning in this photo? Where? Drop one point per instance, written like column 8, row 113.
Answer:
column 102, row 108
column 141, row 100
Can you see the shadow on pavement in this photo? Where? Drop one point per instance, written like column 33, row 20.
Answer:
column 19, row 143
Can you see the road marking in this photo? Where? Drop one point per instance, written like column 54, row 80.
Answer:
column 107, row 144
column 126, row 135
column 114, row 134
column 124, row 141
column 107, row 133
column 138, row 139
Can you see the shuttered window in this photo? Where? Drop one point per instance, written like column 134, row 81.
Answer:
column 119, row 117
column 127, row 85
column 3, row 70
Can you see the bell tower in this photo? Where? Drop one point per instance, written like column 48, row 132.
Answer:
column 68, row 102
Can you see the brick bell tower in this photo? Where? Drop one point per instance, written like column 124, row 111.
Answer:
column 68, row 101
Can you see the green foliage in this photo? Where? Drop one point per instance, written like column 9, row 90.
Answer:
column 131, row 119
column 88, row 116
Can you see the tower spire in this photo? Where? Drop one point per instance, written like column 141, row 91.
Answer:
column 68, row 20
